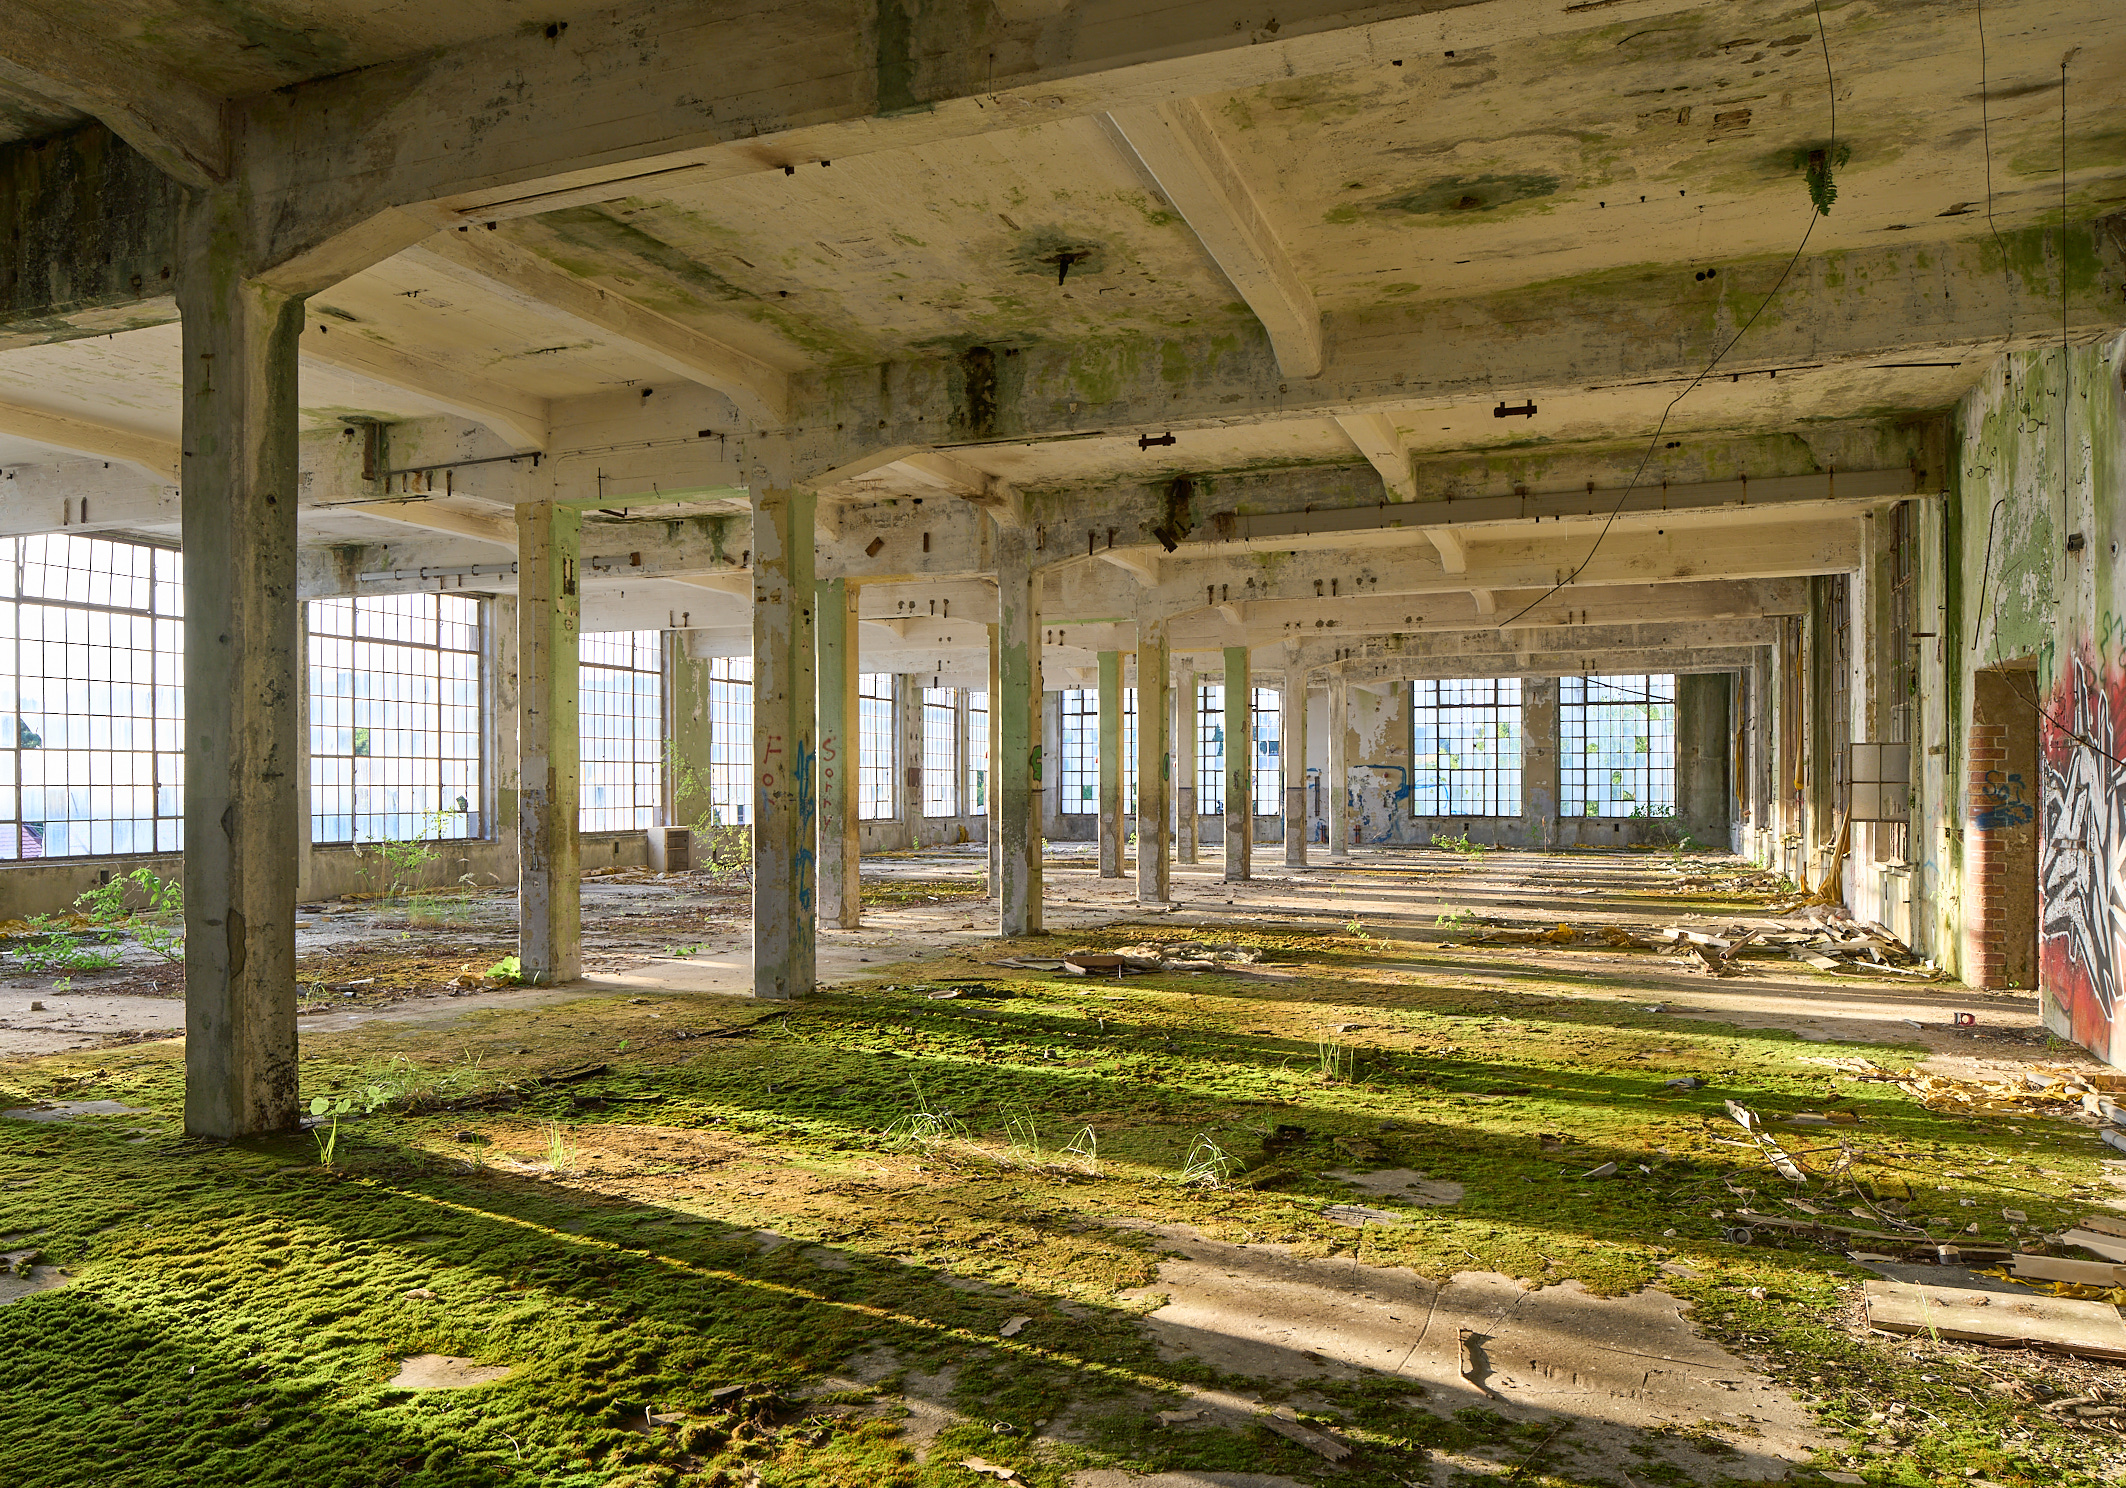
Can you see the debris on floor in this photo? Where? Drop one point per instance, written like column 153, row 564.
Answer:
column 2092, row 1329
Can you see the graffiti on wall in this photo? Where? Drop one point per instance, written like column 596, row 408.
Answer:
column 1999, row 802
column 2082, row 855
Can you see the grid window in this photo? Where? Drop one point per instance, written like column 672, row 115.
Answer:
column 875, row 747
column 1129, row 751
column 1081, row 752
column 620, row 685
column 731, row 740
column 978, row 753
column 1466, row 747
column 395, row 719
column 1210, row 749
column 91, row 697
column 1617, row 746
column 1268, row 726
column 941, row 754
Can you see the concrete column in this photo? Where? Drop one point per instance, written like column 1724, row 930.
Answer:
column 962, row 761
column 502, row 798
column 687, row 737
column 1336, row 783
column 785, row 813
column 549, row 861
column 304, row 846
column 838, row 664
column 1540, row 779
column 1292, row 762
column 908, row 734
column 1017, row 757
column 996, row 756
column 241, row 662
column 1155, row 774
column 1110, row 803
column 1185, row 826
column 1239, row 766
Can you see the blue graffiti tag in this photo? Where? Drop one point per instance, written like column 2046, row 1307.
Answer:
column 801, row 868
column 2000, row 803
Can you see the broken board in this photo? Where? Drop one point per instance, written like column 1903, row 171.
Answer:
column 2081, row 1273
column 2090, row 1329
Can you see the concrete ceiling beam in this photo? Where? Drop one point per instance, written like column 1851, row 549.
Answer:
column 153, row 455
column 519, row 419
column 1179, row 149
column 490, row 265
column 171, row 121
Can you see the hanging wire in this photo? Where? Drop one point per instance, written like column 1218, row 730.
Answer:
column 1655, row 443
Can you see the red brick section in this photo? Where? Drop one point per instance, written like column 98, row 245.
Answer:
column 1985, row 889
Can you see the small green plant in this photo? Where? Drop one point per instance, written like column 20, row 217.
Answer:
column 1207, row 1165
column 682, row 952
column 724, row 849
column 923, row 1126
column 1356, row 929
column 509, row 971
column 1337, row 1065
column 560, row 1148
column 158, row 924
column 1455, row 919
column 327, row 1136
column 1461, row 845
column 1023, row 1137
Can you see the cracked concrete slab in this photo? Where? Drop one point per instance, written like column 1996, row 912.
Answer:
column 1617, row 1367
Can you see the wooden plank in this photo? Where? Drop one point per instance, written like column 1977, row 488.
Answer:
column 2110, row 1247
column 2090, row 1329
column 2081, row 1273
column 2105, row 1224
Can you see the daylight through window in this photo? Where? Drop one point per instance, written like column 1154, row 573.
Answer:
column 1617, row 746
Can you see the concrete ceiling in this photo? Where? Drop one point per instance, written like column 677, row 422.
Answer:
column 1492, row 221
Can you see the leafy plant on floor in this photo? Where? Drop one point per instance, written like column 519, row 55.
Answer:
column 509, row 971
column 158, row 924
column 367, row 1099
column 1455, row 919
column 1356, row 929
column 723, row 849
column 55, row 947
column 1461, row 845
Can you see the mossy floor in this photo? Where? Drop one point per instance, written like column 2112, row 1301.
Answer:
column 718, row 1243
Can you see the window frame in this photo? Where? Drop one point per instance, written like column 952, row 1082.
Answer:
column 1459, row 711
column 1573, row 730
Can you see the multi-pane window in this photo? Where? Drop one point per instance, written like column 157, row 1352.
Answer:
column 1210, row 750
column 875, row 747
column 1268, row 726
column 731, row 740
column 1466, row 747
column 1080, row 782
column 1129, row 751
column 620, row 684
column 941, row 753
column 91, row 697
column 395, row 718
column 977, row 753
column 1617, row 746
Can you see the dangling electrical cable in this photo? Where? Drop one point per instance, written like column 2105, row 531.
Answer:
column 1815, row 211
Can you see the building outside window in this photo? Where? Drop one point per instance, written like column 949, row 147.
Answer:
column 620, row 730
column 396, row 721
column 978, row 753
column 941, row 754
column 731, row 740
column 1466, row 747
column 91, row 697
column 1080, row 784
column 876, row 750
column 1617, row 746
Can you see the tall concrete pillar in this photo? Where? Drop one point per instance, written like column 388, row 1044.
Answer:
column 689, row 742
column 549, row 858
column 1239, row 766
column 838, row 665
column 241, row 663
column 1292, row 753
column 1540, row 778
column 908, row 728
column 1110, row 752
column 1336, row 783
column 995, row 697
column 1184, row 748
column 1017, row 757
column 785, row 742
column 1155, row 775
